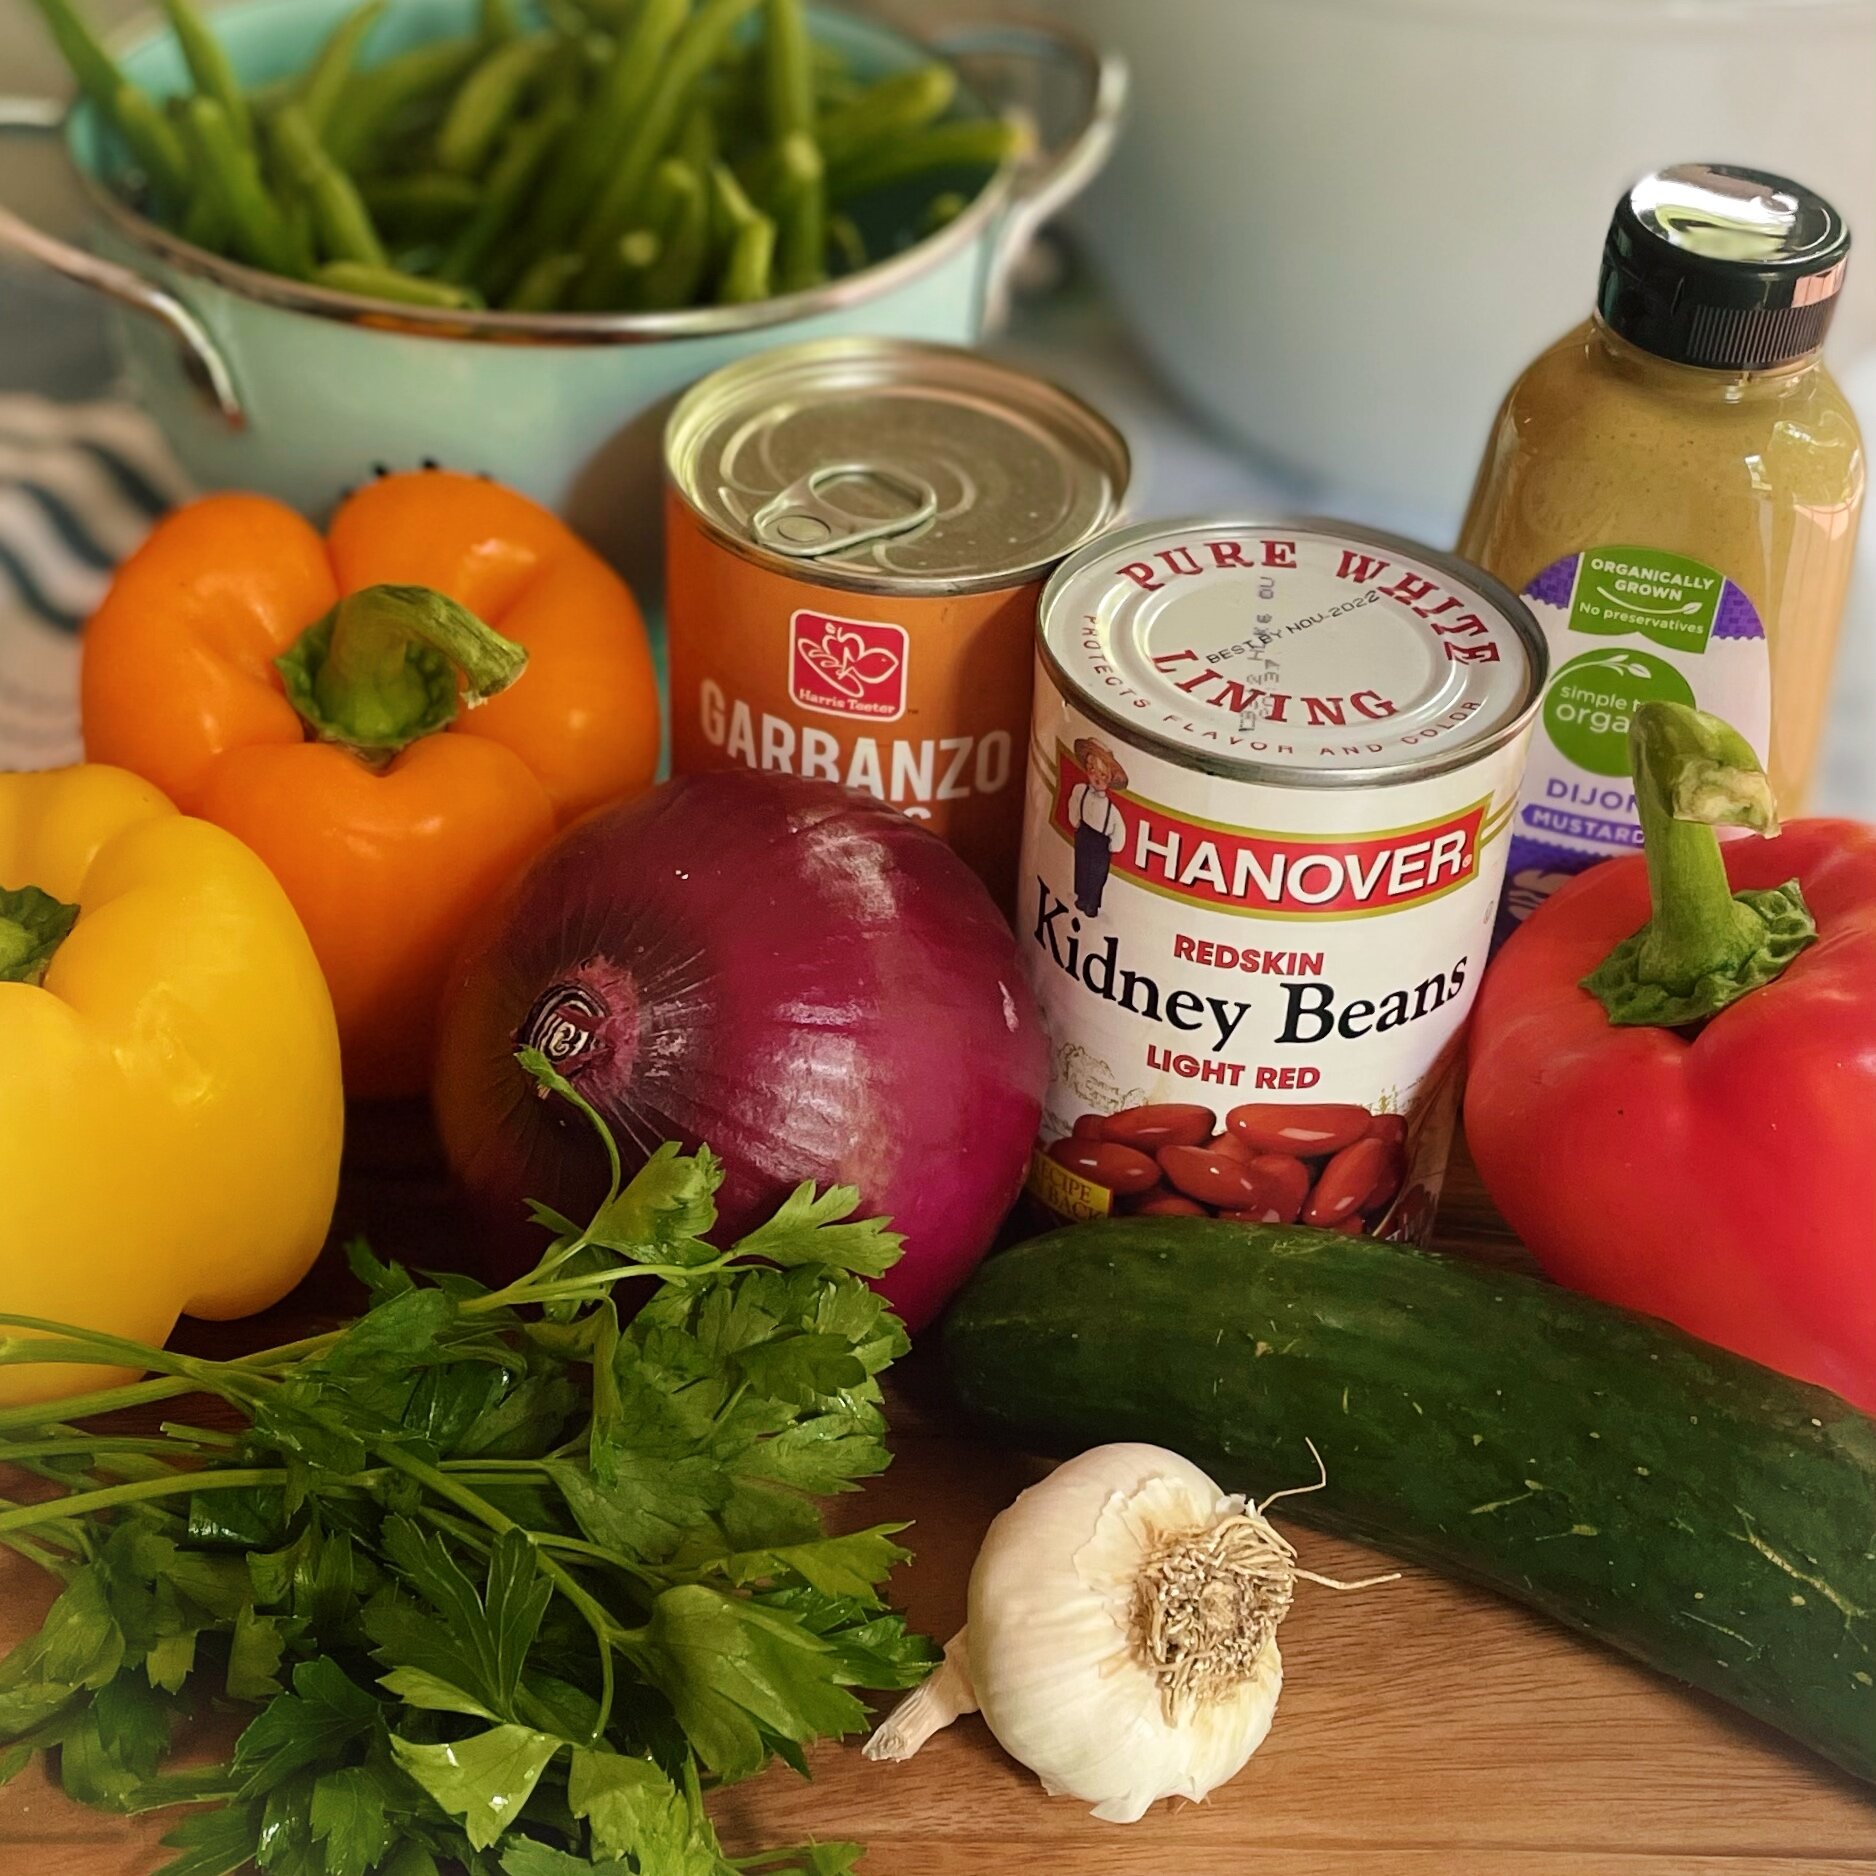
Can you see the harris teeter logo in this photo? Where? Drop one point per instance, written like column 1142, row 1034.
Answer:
column 1261, row 874
column 1642, row 592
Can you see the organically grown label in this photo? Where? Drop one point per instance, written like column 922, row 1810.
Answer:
column 1640, row 592
column 1626, row 624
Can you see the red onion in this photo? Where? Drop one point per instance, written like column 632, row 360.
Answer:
column 797, row 977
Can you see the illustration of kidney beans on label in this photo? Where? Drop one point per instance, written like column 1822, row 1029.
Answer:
column 1211, row 1178
column 1090, row 1127
column 1169, row 1123
column 1282, row 1186
column 1229, row 1145
column 1347, row 1181
column 1119, row 1168
column 1393, row 1171
column 1166, row 1205
column 1305, row 1129
column 1389, row 1127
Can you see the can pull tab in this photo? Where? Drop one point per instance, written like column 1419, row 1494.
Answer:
column 803, row 522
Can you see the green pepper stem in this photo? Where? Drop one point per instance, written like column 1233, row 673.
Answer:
column 385, row 666
column 1704, row 946
column 33, row 925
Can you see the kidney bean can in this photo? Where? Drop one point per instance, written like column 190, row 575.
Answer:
column 857, row 535
column 1270, row 779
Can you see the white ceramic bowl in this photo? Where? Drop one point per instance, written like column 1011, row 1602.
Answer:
column 1342, row 226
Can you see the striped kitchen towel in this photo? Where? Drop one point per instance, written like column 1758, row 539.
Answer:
column 79, row 486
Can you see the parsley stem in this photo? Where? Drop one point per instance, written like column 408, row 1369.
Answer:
column 104, row 1401
column 49, row 1561
column 12, row 1452
column 479, row 1508
column 82, row 1504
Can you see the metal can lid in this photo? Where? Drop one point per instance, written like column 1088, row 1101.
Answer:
column 893, row 466
column 1300, row 652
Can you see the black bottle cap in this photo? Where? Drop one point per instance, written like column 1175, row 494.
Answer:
column 1732, row 269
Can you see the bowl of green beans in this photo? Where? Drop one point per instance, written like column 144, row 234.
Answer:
column 500, row 234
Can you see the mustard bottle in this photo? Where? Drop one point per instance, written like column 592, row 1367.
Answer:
column 1675, row 487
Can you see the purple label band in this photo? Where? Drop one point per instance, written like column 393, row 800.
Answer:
column 1556, row 583
column 1534, row 869
column 1736, row 618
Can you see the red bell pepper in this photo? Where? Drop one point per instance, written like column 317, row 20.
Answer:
column 1673, row 1085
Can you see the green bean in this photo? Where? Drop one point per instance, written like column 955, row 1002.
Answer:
column 155, row 142
column 800, row 214
column 340, row 219
column 942, row 210
column 597, row 138
column 847, row 242
column 697, row 141
column 800, row 192
column 202, row 221
column 678, row 274
column 749, row 237
column 730, row 206
column 788, row 69
column 296, row 216
column 905, row 101
column 388, row 283
column 566, row 19
column 835, row 90
column 541, row 287
column 260, row 232
column 638, row 250
column 325, row 77
column 634, row 254
column 696, row 49
column 152, row 139
column 486, row 102
column 747, row 275
column 969, row 143
column 523, row 157
column 496, row 22
column 372, row 99
column 94, row 68
column 428, row 202
column 208, row 66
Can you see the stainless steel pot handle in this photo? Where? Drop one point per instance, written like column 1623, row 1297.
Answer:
column 1052, row 180
column 202, row 359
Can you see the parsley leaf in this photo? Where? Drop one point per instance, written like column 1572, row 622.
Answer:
column 213, row 1843
column 850, row 1566
column 484, row 1638
column 666, row 1210
column 633, row 1810
column 348, row 1818
column 736, row 1678
column 313, row 1725
column 807, row 1230
column 485, row 1780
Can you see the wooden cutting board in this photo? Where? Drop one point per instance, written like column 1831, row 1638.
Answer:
column 1425, row 1729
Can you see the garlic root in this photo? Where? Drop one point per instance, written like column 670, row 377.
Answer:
column 928, row 1708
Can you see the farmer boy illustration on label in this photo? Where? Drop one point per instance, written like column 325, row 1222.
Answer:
column 1100, row 829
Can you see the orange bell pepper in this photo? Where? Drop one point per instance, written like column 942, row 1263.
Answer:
column 306, row 695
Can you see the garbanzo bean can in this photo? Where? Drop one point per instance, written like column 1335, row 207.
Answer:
column 857, row 535
column 1270, row 779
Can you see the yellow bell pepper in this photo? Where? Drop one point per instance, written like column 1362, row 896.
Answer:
column 170, row 1105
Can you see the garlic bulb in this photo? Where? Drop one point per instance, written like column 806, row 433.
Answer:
column 1121, row 1638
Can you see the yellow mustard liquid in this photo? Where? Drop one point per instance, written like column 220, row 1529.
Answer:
column 1759, row 475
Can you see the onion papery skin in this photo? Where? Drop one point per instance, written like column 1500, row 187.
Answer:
column 796, row 976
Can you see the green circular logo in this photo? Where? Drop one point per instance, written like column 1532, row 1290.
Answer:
column 1590, row 701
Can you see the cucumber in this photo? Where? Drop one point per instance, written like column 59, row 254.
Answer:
column 1704, row 1514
